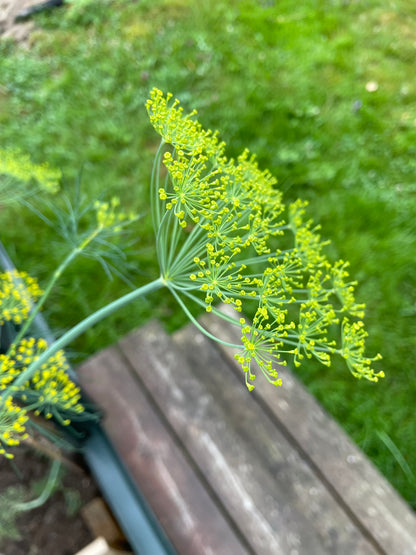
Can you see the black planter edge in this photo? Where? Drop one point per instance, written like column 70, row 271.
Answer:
column 126, row 501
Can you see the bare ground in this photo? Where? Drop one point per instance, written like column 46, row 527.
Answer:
column 50, row 529
column 9, row 28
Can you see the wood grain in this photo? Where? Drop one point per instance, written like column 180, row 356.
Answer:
column 269, row 491
column 352, row 478
column 186, row 511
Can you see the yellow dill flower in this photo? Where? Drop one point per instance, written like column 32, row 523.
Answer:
column 218, row 222
column 282, row 275
column 178, row 129
column 194, row 189
column 318, row 288
column 8, row 371
column 219, row 275
column 260, row 345
column 345, row 290
column 50, row 390
column 12, row 425
column 18, row 291
column 312, row 333
column 353, row 351
column 108, row 214
column 18, row 165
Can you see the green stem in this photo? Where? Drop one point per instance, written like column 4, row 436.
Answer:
column 154, row 187
column 197, row 324
column 296, row 344
column 161, row 242
column 192, row 247
column 174, row 241
column 215, row 310
column 58, row 272
column 43, row 497
column 84, row 325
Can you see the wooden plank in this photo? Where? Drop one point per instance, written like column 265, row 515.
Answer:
column 367, row 495
column 100, row 547
column 102, row 523
column 97, row 547
column 268, row 490
column 188, row 514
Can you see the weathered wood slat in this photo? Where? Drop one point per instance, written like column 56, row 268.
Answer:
column 366, row 494
column 188, row 514
column 269, row 491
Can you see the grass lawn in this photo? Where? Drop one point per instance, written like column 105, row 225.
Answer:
column 322, row 92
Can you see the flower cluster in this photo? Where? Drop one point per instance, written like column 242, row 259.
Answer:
column 353, row 347
column 12, row 425
column 19, row 166
column 109, row 216
column 179, row 129
column 222, row 235
column 8, row 371
column 49, row 391
column 17, row 293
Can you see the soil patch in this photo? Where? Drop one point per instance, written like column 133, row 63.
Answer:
column 55, row 528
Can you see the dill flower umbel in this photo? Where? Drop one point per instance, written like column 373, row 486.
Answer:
column 15, row 164
column 8, row 370
column 224, row 234
column 109, row 216
column 50, row 391
column 353, row 346
column 18, row 291
column 12, row 425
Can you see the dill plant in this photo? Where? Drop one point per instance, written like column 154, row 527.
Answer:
column 222, row 234
column 88, row 229
column 49, row 391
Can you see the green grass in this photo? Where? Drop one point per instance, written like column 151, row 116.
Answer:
column 285, row 79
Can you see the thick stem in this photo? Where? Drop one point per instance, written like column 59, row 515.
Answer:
column 84, row 325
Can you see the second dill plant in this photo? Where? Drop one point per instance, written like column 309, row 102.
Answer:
column 92, row 230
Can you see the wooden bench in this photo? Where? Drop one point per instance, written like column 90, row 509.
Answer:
column 228, row 472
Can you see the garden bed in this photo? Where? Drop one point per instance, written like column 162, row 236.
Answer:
column 57, row 527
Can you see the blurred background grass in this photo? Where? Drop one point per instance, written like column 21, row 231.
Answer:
column 322, row 91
